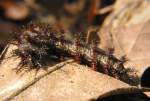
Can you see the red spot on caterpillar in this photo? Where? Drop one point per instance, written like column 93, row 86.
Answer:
column 114, row 74
column 77, row 58
column 77, row 54
column 93, row 65
column 61, row 58
column 62, row 31
column 94, row 57
column 106, row 68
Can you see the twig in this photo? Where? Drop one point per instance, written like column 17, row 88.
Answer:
column 105, row 10
column 3, row 52
column 7, row 95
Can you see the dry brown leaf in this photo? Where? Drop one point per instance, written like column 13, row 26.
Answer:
column 70, row 82
column 133, row 41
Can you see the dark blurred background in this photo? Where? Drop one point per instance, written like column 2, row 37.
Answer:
column 77, row 16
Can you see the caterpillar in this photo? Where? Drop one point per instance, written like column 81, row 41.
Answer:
column 39, row 42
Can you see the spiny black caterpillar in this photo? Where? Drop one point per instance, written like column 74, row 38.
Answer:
column 37, row 42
